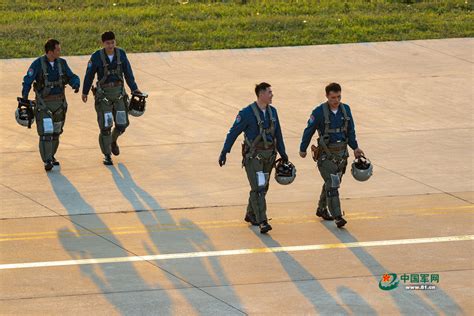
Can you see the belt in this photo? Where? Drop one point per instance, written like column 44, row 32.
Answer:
column 338, row 148
column 112, row 84
column 54, row 97
column 261, row 146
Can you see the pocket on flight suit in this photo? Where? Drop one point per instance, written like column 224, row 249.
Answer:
column 121, row 112
column 104, row 114
column 58, row 120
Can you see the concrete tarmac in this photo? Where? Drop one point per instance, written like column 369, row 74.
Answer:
column 162, row 231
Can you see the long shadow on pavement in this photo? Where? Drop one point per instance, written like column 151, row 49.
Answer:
column 110, row 278
column 313, row 290
column 408, row 302
column 355, row 302
column 184, row 236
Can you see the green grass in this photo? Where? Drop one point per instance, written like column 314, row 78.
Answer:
column 150, row 26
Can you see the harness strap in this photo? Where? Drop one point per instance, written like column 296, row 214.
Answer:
column 262, row 131
column 324, row 140
column 48, row 85
column 118, row 71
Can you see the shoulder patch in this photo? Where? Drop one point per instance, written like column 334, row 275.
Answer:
column 238, row 119
column 89, row 64
column 311, row 119
column 31, row 72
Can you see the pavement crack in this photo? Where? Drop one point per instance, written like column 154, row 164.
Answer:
column 31, row 199
column 331, row 278
column 220, row 141
column 440, row 52
column 425, row 184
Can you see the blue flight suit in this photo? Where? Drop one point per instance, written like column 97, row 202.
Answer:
column 258, row 161
column 50, row 112
column 247, row 122
column 333, row 162
column 111, row 100
column 35, row 73
column 95, row 66
column 316, row 123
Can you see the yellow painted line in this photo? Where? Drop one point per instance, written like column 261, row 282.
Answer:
column 235, row 252
column 155, row 229
column 207, row 224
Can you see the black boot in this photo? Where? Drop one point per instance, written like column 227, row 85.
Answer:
column 265, row 227
column 324, row 214
column 115, row 148
column 55, row 162
column 48, row 165
column 250, row 218
column 340, row 221
column 108, row 160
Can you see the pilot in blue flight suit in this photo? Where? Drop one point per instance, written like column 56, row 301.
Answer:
column 263, row 138
column 49, row 74
column 111, row 100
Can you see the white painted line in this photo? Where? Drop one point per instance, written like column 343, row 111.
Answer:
column 236, row 252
